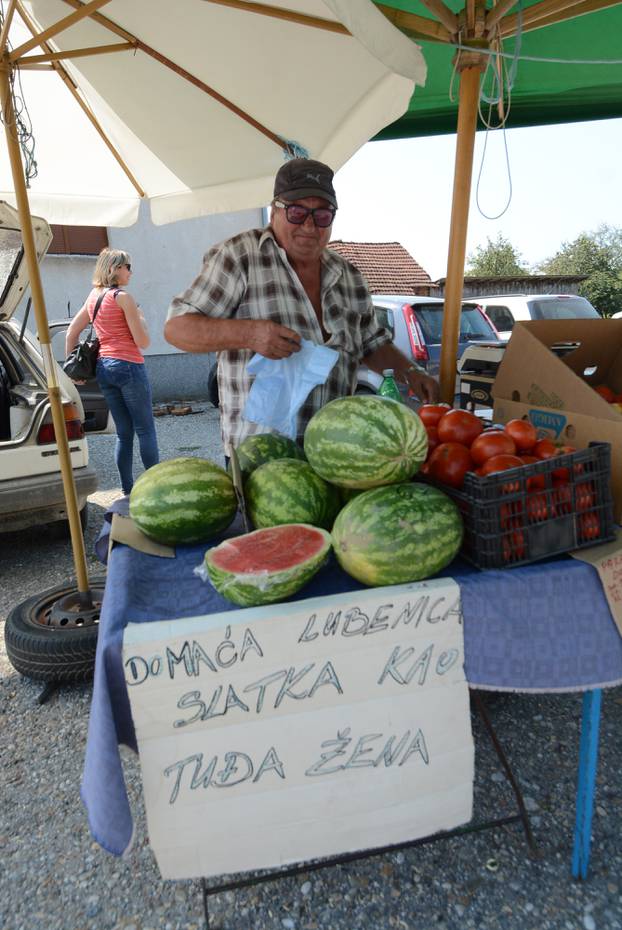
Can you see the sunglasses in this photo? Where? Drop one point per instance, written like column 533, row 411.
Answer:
column 128, row 266
column 297, row 214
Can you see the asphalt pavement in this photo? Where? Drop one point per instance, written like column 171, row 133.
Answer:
column 55, row 877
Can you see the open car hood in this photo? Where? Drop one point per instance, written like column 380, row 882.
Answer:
column 14, row 279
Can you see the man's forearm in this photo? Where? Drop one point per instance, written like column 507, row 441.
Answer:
column 194, row 332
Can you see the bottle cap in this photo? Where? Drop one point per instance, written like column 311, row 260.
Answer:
column 387, row 373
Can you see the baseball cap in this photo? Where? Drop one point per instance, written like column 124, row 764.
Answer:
column 305, row 177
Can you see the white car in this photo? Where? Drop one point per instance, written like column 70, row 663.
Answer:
column 31, row 487
column 504, row 310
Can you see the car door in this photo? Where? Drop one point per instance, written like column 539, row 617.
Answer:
column 97, row 417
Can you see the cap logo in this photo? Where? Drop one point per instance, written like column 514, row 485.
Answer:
column 314, row 177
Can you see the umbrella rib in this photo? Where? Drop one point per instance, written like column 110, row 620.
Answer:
column 443, row 14
column 71, row 87
column 186, row 75
column 550, row 12
column 85, row 10
column 418, row 26
column 74, row 53
column 6, row 25
column 289, row 15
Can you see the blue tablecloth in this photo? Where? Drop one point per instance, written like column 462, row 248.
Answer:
column 542, row 627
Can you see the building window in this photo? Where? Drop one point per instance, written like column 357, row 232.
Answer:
column 77, row 240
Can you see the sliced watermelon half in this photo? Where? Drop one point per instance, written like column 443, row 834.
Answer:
column 267, row 565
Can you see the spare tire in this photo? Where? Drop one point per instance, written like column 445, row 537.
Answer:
column 47, row 643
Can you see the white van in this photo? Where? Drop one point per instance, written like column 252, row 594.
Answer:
column 504, row 310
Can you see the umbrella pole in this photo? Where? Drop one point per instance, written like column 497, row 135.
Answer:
column 43, row 332
column 465, row 143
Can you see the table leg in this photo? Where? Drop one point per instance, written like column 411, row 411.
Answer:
column 588, row 760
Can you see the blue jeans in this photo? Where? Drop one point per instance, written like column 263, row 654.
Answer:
column 128, row 394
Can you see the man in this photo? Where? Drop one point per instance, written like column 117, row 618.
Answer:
column 263, row 290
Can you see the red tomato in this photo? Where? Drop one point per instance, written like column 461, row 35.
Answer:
column 589, row 526
column 430, row 414
column 537, row 507
column 562, row 497
column 432, row 439
column 510, row 514
column 605, row 392
column 449, row 463
column 545, row 449
column 501, row 463
column 523, row 433
column 459, row 426
column 563, row 473
column 491, row 442
column 535, row 482
column 513, row 543
column 584, row 496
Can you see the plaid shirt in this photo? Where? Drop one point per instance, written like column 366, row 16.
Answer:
column 249, row 277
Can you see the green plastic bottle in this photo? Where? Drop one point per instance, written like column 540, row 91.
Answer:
column 389, row 387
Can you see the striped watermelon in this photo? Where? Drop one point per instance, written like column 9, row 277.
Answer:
column 365, row 441
column 289, row 491
column 395, row 534
column 184, row 500
column 259, row 448
column 267, row 565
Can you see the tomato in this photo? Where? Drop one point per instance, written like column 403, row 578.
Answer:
column 501, row 463
column 510, row 513
column 523, row 433
column 563, row 473
column 430, row 414
column 449, row 463
column 491, row 442
column 589, row 526
column 459, row 426
column 432, row 439
column 513, row 543
column 545, row 449
column 535, row 482
column 537, row 507
column 605, row 392
column 584, row 496
column 562, row 498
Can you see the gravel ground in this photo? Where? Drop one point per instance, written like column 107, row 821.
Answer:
column 54, row 877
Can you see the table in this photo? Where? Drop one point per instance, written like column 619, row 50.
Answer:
column 544, row 627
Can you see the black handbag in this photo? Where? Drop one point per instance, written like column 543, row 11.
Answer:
column 81, row 362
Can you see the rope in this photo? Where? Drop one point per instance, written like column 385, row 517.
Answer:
column 23, row 123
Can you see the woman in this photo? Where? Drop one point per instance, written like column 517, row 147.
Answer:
column 121, row 375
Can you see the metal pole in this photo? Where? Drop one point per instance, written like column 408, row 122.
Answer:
column 30, row 252
column 465, row 142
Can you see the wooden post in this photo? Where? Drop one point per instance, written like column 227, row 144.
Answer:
column 465, row 142
column 30, row 252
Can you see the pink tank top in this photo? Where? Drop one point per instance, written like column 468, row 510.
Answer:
column 115, row 338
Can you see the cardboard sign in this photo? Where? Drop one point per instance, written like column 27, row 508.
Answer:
column 280, row 734
column 607, row 560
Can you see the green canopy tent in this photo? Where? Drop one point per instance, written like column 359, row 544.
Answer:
column 557, row 60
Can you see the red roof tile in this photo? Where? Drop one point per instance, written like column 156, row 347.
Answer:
column 387, row 267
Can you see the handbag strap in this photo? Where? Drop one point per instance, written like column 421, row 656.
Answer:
column 99, row 303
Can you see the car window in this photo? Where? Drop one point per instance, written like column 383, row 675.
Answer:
column 385, row 319
column 563, row 308
column 501, row 317
column 472, row 324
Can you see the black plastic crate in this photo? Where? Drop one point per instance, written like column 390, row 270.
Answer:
column 540, row 510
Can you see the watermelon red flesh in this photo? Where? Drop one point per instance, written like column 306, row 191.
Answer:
column 272, row 550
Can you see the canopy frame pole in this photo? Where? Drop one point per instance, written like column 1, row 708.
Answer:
column 465, row 144
column 63, row 24
column 30, row 252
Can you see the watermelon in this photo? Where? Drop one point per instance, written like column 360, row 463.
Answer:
column 289, row 491
column 365, row 441
column 395, row 534
column 182, row 501
column 259, row 448
column 267, row 565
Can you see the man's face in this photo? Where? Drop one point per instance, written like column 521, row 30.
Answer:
column 304, row 243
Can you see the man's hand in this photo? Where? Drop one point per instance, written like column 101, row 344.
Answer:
column 425, row 387
column 273, row 340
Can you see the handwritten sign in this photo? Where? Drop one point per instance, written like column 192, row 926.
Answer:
column 607, row 560
column 279, row 734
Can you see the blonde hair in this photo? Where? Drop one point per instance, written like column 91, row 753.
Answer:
column 108, row 263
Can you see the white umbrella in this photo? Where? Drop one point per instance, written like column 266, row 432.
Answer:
column 193, row 104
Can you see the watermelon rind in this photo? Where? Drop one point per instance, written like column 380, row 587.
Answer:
column 252, row 589
column 260, row 448
column 397, row 534
column 290, row 491
column 183, row 501
column 365, row 441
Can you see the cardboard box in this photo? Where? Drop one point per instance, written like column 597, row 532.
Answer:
column 548, row 374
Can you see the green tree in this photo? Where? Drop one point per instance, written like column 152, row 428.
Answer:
column 496, row 258
column 599, row 255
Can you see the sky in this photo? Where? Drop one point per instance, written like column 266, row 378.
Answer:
column 565, row 180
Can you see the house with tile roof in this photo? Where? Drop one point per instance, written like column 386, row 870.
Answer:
column 387, row 267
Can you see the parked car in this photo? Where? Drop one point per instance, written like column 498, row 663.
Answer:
column 416, row 324
column 505, row 310
column 31, row 487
